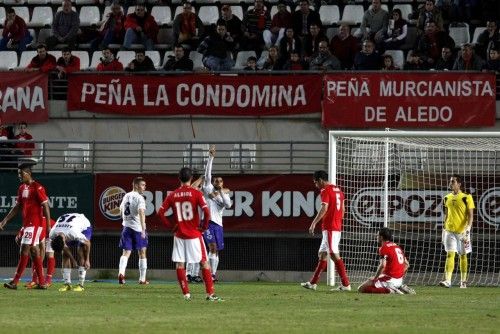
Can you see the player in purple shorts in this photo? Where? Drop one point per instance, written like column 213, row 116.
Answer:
column 217, row 200
column 134, row 236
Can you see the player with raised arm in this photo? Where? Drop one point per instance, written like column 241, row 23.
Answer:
column 218, row 199
column 72, row 229
column 331, row 214
column 188, row 242
column 134, row 236
column 34, row 203
column 193, row 269
column 391, row 270
column 458, row 217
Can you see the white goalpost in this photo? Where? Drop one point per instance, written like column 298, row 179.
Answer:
column 398, row 179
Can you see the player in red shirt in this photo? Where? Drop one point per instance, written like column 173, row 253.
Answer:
column 331, row 214
column 188, row 241
column 34, row 203
column 393, row 266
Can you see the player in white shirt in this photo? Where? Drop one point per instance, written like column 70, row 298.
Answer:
column 217, row 200
column 134, row 236
column 72, row 229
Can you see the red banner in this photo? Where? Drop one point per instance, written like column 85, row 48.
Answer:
column 379, row 100
column 253, row 95
column 24, row 97
column 261, row 203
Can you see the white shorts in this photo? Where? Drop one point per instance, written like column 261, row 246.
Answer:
column 455, row 242
column 189, row 250
column 31, row 235
column 384, row 281
column 330, row 242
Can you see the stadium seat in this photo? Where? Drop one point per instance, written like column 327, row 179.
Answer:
column 241, row 59
column 237, row 11
column 84, row 58
column 477, row 32
column 460, row 35
column 26, row 57
column 42, row 17
column 330, row 32
column 89, row 15
column 56, row 53
column 329, row 14
column 178, row 10
column 43, row 34
column 208, row 14
column 398, row 56
column 2, row 15
column 263, row 57
column 8, row 60
column 84, row 2
column 96, row 59
column 155, row 57
column 162, row 15
column 125, row 57
column 205, row 2
column 38, row 2
column 353, row 14
column 405, row 9
column 297, row 8
column 242, row 156
column 22, row 12
column 165, row 38
column 177, row 2
column 56, row 2
column 73, row 8
column 197, row 58
column 274, row 10
column 14, row 2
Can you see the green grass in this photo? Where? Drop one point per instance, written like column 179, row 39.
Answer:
column 248, row 308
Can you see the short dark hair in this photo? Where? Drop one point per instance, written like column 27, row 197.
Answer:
column 320, row 175
column 185, row 174
column 9, row 10
column 179, row 46
column 58, row 243
column 457, row 177
column 138, row 180
column 23, row 123
column 143, row 51
column 66, row 49
column 385, row 233
column 252, row 58
column 41, row 46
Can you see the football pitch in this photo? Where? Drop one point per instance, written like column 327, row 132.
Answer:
column 248, row 308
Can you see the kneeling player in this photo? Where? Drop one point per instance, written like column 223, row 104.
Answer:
column 72, row 229
column 393, row 266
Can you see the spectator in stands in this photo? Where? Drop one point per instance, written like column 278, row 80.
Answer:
column 6, row 149
column 141, row 63
column 179, row 61
column 112, row 29
column 15, row 34
column 414, row 62
column 256, row 24
column 109, row 62
column 374, row 23
column 188, row 28
column 290, row 43
column 217, row 48
column 280, row 22
column 344, row 46
column 467, row 60
column 42, row 62
column 487, row 39
column 234, row 25
column 367, row 59
column 67, row 63
column 312, row 40
column 396, row 31
column 22, row 147
column 251, row 64
column 428, row 12
column 295, row 63
column 446, row 61
column 140, row 27
column 272, row 62
column 303, row 18
column 432, row 42
column 493, row 63
column 323, row 60
column 64, row 27
column 388, row 63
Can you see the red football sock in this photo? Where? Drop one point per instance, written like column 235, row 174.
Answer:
column 207, row 278
column 39, row 270
column 23, row 261
column 373, row 289
column 181, row 277
column 51, row 267
column 319, row 269
column 34, row 277
column 340, row 267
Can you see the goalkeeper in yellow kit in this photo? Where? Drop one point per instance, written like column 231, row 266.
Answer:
column 458, row 216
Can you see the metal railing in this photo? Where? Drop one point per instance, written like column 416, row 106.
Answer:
column 167, row 157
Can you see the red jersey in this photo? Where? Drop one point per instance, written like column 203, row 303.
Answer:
column 395, row 259
column 184, row 202
column 334, row 198
column 31, row 197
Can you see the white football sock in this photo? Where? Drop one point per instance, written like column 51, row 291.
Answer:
column 196, row 269
column 82, row 272
column 143, row 266
column 214, row 262
column 66, row 275
column 123, row 265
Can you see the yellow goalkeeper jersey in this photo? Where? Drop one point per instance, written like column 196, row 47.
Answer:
column 457, row 207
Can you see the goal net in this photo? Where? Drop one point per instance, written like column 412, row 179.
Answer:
column 398, row 179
